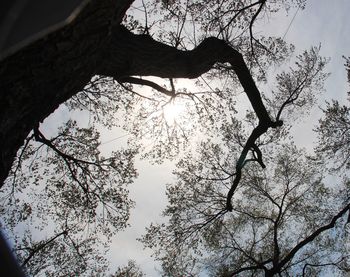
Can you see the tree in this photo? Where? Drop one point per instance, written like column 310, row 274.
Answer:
column 62, row 216
column 287, row 219
column 334, row 131
column 96, row 43
column 280, row 223
column 130, row 270
column 67, row 61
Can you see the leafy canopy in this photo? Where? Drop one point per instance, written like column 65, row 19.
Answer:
column 245, row 199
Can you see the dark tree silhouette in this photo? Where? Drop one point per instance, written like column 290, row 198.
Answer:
column 286, row 220
column 130, row 270
column 77, row 202
column 104, row 50
column 37, row 79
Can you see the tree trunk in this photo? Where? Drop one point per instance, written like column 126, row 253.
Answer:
column 36, row 80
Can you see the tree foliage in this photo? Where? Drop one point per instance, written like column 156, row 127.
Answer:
column 130, row 270
column 280, row 223
column 334, row 131
column 287, row 219
column 62, row 215
column 245, row 200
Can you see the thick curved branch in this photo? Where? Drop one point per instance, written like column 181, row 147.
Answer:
column 311, row 237
column 147, row 57
column 256, row 133
column 248, row 268
column 140, row 55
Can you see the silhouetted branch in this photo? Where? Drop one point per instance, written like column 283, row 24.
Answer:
column 41, row 138
column 143, row 82
column 249, row 268
column 238, row 13
column 256, row 133
column 41, row 246
column 314, row 235
column 336, row 263
column 262, row 3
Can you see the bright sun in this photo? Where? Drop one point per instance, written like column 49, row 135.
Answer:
column 172, row 111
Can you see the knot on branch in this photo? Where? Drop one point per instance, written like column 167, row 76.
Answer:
column 266, row 124
column 277, row 123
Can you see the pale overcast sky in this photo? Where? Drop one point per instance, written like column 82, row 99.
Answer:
column 323, row 21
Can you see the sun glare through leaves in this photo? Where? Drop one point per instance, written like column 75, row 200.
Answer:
column 172, row 111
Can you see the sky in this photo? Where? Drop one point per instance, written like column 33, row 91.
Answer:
column 322, row 21
column 326, row 23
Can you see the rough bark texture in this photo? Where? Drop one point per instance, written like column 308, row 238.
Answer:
column 36, row 80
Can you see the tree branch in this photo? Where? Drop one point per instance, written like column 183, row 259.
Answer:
column 248, row 268
column 42, row 246
column 143, row 82
column 262, row 3
column 238, row 13
column 140, row 55
column 168, row 62
column 256, row 133
column 336, row 263
column 311, row 237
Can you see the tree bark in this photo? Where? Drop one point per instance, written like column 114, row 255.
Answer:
column 129, row 54
column 36, row 80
